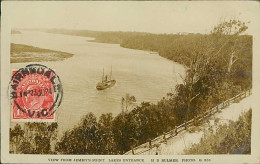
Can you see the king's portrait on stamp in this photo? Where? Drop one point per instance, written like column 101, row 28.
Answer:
column 130, row 82
column 35, row 91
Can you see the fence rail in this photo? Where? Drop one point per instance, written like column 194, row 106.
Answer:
column 172, row 133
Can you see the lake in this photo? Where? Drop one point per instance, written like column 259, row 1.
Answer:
column 148, row 77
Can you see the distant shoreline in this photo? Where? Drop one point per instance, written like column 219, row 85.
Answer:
column 21, row 53
column 170, row 46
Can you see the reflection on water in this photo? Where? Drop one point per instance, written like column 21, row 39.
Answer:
column 146, row 76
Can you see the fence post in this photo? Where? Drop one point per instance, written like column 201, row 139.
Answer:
column 164, row 137
column 195, row 121
column 150, row 143
column 133, row 152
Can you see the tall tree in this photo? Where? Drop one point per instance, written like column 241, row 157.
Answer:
column 127, row 102
column 16, row 136
column 204, row 54
column 228, row 33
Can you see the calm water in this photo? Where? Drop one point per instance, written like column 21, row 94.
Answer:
column 146, row 76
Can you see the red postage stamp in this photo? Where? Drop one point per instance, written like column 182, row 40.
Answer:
column 36, row 92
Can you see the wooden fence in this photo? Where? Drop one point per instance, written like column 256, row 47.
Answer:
column 153, row 143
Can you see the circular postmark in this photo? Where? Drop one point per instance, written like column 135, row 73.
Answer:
column 36, row 92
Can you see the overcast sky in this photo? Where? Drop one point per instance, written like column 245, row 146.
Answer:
column 154, row 17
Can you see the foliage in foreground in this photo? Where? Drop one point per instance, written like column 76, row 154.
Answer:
column 33, row 138
column 232, row 138
column 115, row 135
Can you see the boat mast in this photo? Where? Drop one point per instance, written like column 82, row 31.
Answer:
column 103, row 75
column 111, row 73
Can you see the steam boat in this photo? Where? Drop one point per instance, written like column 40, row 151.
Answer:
column 106, row 82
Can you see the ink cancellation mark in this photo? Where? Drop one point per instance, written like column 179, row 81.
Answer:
column 36, row 92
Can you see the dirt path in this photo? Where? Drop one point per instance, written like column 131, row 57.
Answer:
column 177, row 144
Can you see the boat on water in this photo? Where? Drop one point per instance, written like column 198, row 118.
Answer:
column 106, row 82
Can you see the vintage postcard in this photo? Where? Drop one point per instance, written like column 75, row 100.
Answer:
column 130, row 82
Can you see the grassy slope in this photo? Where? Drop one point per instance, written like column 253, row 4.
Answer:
column 232, row 138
